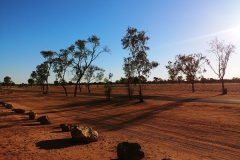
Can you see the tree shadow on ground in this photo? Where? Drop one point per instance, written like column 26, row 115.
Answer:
column 120, row 120
column 58, row 143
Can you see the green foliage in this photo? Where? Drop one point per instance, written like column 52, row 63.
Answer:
column 83, row 57
column 190, row 65
column 93, row 72
column 135, row 41
column 30, row 81
column 7, row 81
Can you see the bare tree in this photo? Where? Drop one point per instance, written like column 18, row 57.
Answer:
column 135, row 41
column 222, row 53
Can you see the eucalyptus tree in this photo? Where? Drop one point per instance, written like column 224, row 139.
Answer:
column 222, row 52
column 190, row 65
column 129, row 71
column 83, row 57
column 49, row 59
column 7, row 81
column 31, row 81
column 108, row 85
column 135, row 42
column 40, row 75
column 172, row 71
column 93, row 73
column 61, row 63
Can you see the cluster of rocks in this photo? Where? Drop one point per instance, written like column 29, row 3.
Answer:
column 4, row 93
column 32, row 115
column 125, row 150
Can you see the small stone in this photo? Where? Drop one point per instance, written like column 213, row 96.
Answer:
column 18, row 110
column 44, row 120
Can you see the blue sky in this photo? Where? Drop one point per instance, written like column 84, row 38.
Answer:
column 174, row 27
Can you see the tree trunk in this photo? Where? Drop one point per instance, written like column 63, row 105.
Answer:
column 65, row 89
column 80, row 87
column 129, row 89
column 88, row 88
column 193, row 90
column 75, row 89
column 140, row 90
column 47, row 87
column 222, row 85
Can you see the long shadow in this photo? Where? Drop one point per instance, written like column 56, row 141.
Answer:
column 88, row 105
column 58, row 143
column 126, row 119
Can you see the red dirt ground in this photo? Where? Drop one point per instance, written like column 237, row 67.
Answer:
column 179, row 125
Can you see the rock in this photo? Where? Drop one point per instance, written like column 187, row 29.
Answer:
column 18, row 110
column 44, row 120
column 2, row 103
column 129, row 151
column 8, row 106
column 32, row 115
column 65, row 127
column 83, row 133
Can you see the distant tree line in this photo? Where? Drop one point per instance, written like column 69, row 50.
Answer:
column 79, row 57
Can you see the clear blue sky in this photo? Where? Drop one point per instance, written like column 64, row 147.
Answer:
column 174, row 27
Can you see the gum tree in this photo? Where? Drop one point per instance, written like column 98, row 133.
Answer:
column 93, row 72
column 83, row 56
column 48, row 55
column 60, row 65
column 190, row 65
column 135, row 42
column 7, row 81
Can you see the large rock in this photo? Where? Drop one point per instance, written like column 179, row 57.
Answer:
column 44, row 120
column 129, row 151
column 32, row 115
column 18, row 110
column 83, row 133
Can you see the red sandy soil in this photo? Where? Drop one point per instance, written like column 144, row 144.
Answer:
column 179, row 125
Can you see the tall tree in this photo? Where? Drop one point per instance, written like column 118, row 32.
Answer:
column 93, row 72
column 172, row 71
column 129, row 71
column 40, row 75
column 7, row 81
column 84, row 57
column 48, row 55
column 222, row 52
column 190, row 65
column 60, row 65
column 135, row 41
